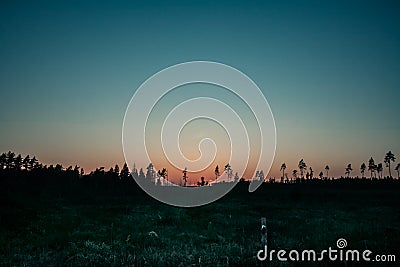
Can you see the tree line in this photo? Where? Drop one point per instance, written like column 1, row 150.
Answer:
column 376, row 170
column 12, row 165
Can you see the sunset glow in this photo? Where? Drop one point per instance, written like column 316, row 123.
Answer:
column 331, row 79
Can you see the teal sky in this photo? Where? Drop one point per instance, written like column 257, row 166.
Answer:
column 330, row 71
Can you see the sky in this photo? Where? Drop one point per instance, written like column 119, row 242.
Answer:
column 329, row 70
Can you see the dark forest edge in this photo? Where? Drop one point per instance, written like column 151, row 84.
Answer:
column 27, row 175
column 12, row 165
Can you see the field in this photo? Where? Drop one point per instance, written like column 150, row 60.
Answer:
column 88, row 229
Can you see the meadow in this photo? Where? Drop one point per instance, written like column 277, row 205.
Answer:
column 72, row 226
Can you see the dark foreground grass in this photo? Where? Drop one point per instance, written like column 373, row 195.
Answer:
column 89, row 230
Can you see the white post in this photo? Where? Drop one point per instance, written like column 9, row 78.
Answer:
column 264, row 239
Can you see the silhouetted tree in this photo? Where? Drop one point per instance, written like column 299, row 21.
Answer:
column 388, row 158
column 76, row 171
column 228, row 171
column 58, row 168
column 111, row 171
column 371, row 166
column 283, row 168
column 3, row 161
column 363, row 168
column 135, row 174
column 302, row 166
column 18, row 162
column 34, row 163
column 261, row 175
column 162, row 174
column 10, row 160
column 398, row 170
column 236, row 178
column 25, row 162
column 379, row 170
column 124, row 172
column 287, row 178
column 216, row 171
column 141, row 175
column 321, row 175
column 327, row 171
column 71, row 171
column 348, row 170
column 184, row 176
column 150, row 174
column 294, row 173
column 116, row 170
column 311, row 173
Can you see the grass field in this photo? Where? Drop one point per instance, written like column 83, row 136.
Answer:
column 135, row 230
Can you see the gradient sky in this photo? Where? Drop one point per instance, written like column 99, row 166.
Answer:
column 329, row 69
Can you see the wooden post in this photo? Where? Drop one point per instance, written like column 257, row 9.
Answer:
column 264, row 240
